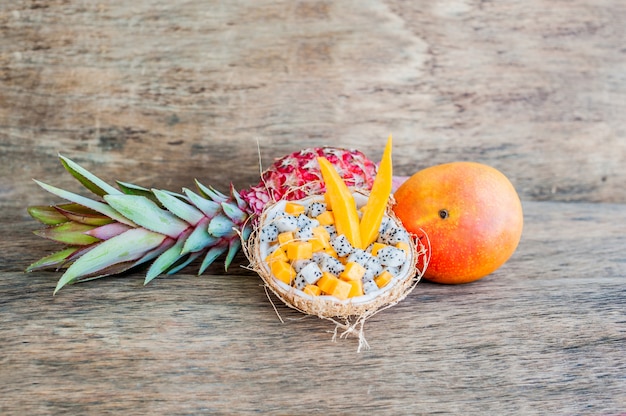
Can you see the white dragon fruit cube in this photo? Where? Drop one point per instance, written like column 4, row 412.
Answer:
column 318, row 256
column 299, row 264
column 341, row 245
column 359, row 256
column 269, row 233
column 311, row 273
column 393, row 235
column 304, row 234
column 330, row 264
column 369, row 287
column 374, row 264
column 303, row 220
column 383, row 236
column 386, row 222
column 300, row 282
column 286, row 222
column 306, row 222
column 391, row 256
column 400, row 236
column 367, row 276
column 316, row 209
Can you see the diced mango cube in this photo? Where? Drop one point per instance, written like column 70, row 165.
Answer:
column 294, row 208
column 375, row 247
column 327, row 283
column 312, row 290
column 353, row 271
column 277, row 255
column 383, row 279
column 356, row 288
column 342, row 290
column 283, row 271
column 285, row 237
column 326, row 218
column 318, row 245
column 321, row 233
column 299, row 250
column 404, row 246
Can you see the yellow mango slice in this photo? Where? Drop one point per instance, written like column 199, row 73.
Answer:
column 342, row 203
column 377, row 202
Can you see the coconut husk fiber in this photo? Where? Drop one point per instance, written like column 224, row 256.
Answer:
column 348, row 315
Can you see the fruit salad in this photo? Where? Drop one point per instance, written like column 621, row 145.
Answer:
column 303, row 251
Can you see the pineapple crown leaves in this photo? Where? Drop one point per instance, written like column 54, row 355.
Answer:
column 133, row 225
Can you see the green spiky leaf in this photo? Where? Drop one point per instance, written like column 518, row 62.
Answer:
column 47, row 215
column 132, row 189
column 53, row 260
column 210, row 192
column 128, row 246
column 246, row 231
column 69, row 233
column 156, row 252
column 167, row 259
column 83, row 215
column 199, row 239
column 233, row 248
column 241, row 203
column 211, row 256
column 208, row 207
column 234, row 213
column 100, row 207
column 181, row 265
column 88, row 179
column 147, row 214
column 179, row 208
column 221, row 226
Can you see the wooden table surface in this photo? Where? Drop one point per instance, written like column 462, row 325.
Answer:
column 159, row 93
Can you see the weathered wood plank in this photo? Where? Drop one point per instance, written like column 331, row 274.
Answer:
column 139, row 90
column 543, row 335
column 160, row 93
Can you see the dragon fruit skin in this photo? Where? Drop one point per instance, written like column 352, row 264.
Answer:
column 297, row 175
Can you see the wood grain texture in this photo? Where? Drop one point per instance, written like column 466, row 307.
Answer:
column 162, row 92
column 159, row 92
column 545, row 334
